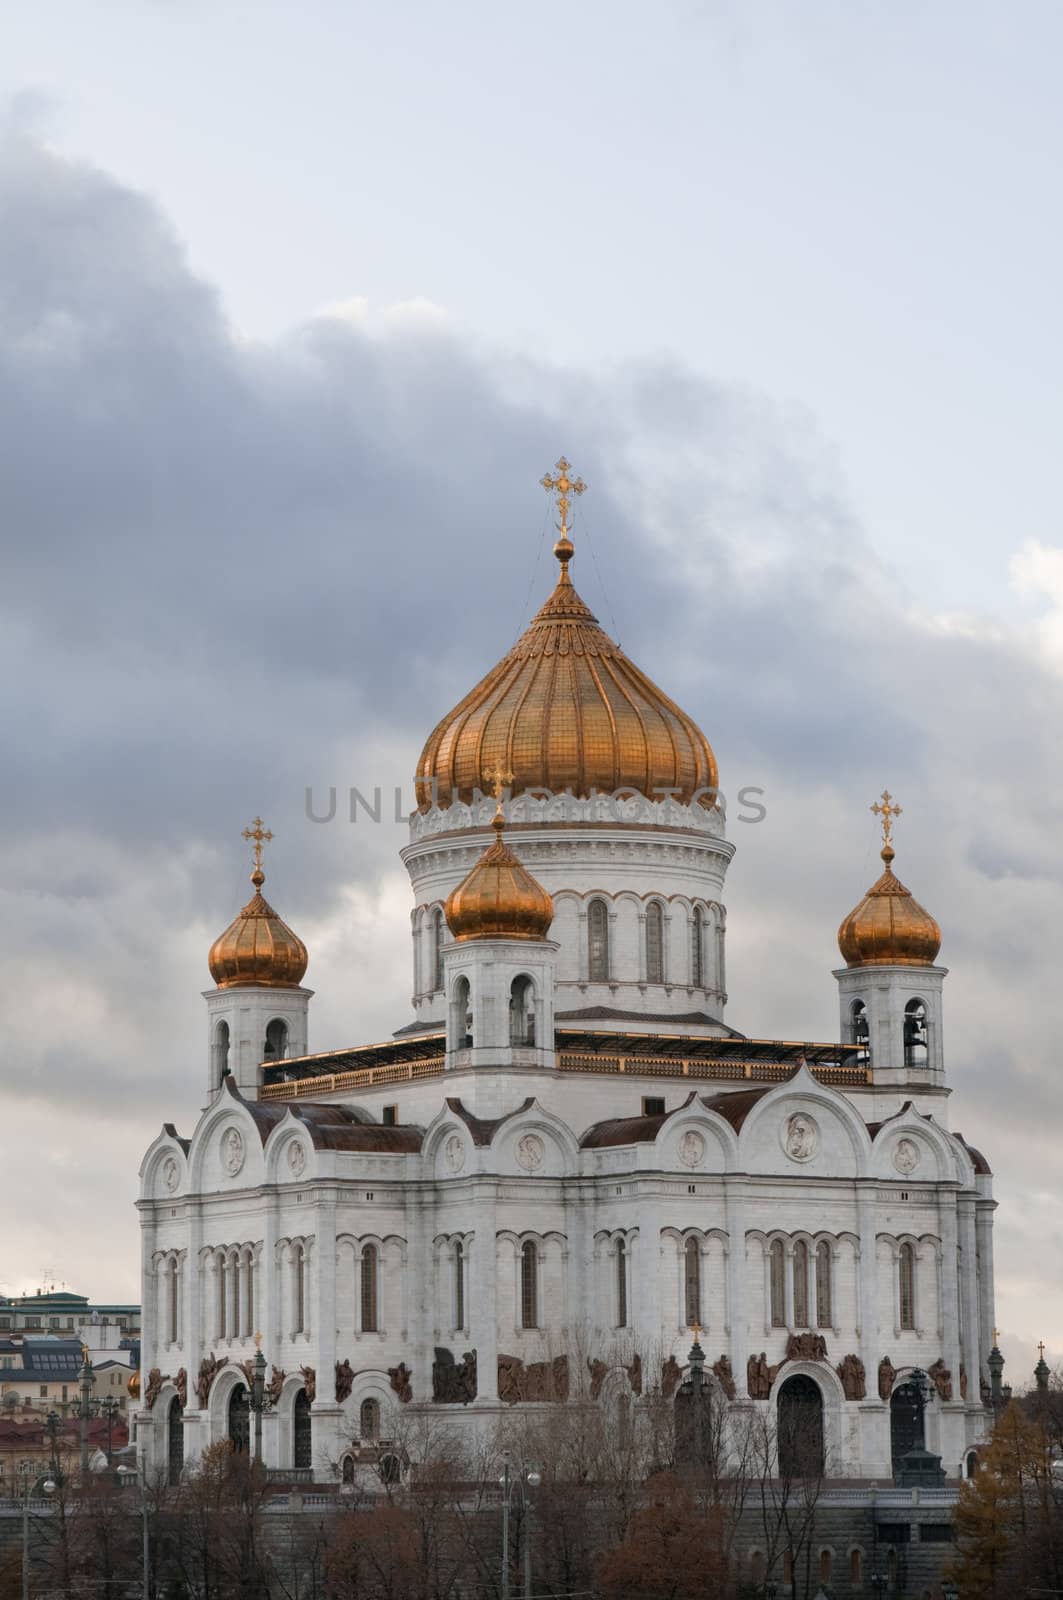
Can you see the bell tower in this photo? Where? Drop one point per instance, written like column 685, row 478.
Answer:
column 890, row 987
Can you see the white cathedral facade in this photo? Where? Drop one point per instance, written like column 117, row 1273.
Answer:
column 568, row 1160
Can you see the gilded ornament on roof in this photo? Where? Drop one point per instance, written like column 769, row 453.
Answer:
column 889, row 927
column 258, row 948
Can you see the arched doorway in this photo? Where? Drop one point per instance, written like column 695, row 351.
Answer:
column 907, row 1431
column 302, row 1440
column 240, row 1420
column 800, row 1413
column 175, row 1442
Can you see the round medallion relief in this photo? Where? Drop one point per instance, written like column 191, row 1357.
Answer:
column 171, row 1174
column 232, row 1151
column 800, row 1137
column 454, row 1152
column 530, row 1151
column 691, row 1148
column 296, row 1159
column 906, row 1156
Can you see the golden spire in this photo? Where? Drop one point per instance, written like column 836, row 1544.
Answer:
column 260, row 836
column 563, row 486
column 887, row 811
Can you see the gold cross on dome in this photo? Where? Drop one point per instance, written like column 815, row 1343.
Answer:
column 1041, row 1348
column 697, row 1332
column 563, row 486
column 887, row 811
column 498, row 781
column 260, row 836
column 996, row 1335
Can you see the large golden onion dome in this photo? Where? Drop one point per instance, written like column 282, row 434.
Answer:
column 499, row 898
column 889, row 927
column 258, row 948
column 133, row 1386
column 566, row 709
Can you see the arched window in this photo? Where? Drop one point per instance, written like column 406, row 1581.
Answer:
column 824, row 1298
column 240, row 1420
column 221, row 1296
column 522, row 1012
column 756, row 1568
column 302, row 1438
column 529, row 1285
column 298, row 1290
column 800, row 1284
column 777, row 1273
column 175, row 1442
column 891, row 1567
column 858, row 1029
column 972, row 1464
column 907, row 1422
column 800, row 1428
column 221, row 1050
column 906, row 1285
column 171, row 1309
column 654, row 943
column 369, row 1421
column 347, row 1470
column 276, row 1047
column 915, row 1034
column 826, row 1562
column 369, row 1285
column 598, row 942
column 692, row 1283
column 461, row 1015
column 390, row 1469
column 621, row 1284
column 856, row 1566
column 234, row 1294
column 437, row 949
column 697, row 949
column 249, row 1294
column 459, row 1285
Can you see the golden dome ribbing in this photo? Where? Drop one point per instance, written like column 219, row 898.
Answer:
column 566, row 709
column 889, row 927
column 499, row 898
column 258, row 948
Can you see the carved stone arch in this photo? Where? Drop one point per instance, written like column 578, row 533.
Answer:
column 716, row 1130
column 806, row 1091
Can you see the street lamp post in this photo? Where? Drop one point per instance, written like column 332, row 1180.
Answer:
column 47, row 1487
column 527, row 1479
column 145, row 1535
column 87, row 1384
column 109, row 1407
column 258, row 1394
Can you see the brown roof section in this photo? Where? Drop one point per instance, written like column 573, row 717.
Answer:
column 735, row 1108
column 981, row 1165
column 482, row 1129
column 331, row 1127
column 628, row 1130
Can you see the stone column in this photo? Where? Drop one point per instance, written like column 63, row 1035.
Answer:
column 735, row 1188
column 483, row 1309
column 950, row 1301
column 645, row 1281
column 987, row 1300
column 867, row 1286
column 972, row 1310
column 323, row 1330
column 419, row 1285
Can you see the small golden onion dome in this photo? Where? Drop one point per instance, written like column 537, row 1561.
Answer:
column 566, row 709
column 499, row 898
column 889, row 927
column 258, row 948
column 133, row 1386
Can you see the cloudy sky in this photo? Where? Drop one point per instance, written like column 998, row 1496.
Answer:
column 297, row 304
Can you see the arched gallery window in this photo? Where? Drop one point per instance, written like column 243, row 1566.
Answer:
column 777, row 1277
column 800, row 1284
column 369, row 1421
column 692, row 1283
column 906, row 1285
column 598, row 941
column 654, row 943
column 370, row 1263
column 824, row 1298
column 529, row 1285
column 621, row 1284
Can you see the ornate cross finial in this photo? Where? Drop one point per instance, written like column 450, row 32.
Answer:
column 887, row 810
column 498, row 781
column 260, row 836
column 697, row 1332
column 1041, row 1348
column 996, row 1336
column 258, row 1341
column 563, row 486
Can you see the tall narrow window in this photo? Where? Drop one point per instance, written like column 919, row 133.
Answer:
column 221, row 1050
column 221, row 1297
column 249, row 1296
column 459, row 1285
column 234, row 1292
column 529, row 1286
column 521, row 1012
column 800, row 1284
column 298, row 1290
column 858, row 1029
column 906, row 1273
column 598, row 941
column 172, row 1305
column 777, row 1265
column 915, row 1034
column 276, row 1046
column 369, row 1421
column 621, row 1284
column 856, row 1566
column 692, row 1283
column 697, row 952
column 437, row 949
column 369, row 1294
column 824, row 1299
column 654, row 944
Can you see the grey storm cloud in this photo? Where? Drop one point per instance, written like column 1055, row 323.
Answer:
column 233, row 569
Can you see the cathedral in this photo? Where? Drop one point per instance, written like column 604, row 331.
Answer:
column 568, row 1165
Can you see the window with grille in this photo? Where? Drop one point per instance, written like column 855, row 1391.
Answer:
column 800, row 1284
column 529, row 1286
column 777, row 1275
column 369, row 1289
column 906, row 1272
column 459, row 1285
column 692, row 1283
column 172, row 1291
column 654, row 944
column 369, row 1420
column 598, row 941
column 221, row 1297
column 437, row 949
column 652, row 1106
column 697, row 953
column 299, row 1286
column 824, row 1306
column 621, row 1284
